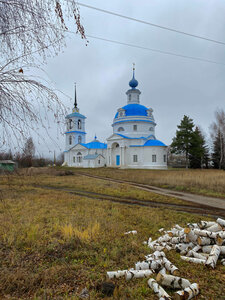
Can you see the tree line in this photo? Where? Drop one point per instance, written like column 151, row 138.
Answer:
column 26, row 157
column 190, row 142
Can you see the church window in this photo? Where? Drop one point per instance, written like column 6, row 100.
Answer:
column 74, row 159
column 79, row 139
column 70, row 124
column 135, row 158
column 129, row 97
column 151, row 129
column 120, row 129
column 135, row 127
column 99, row 161
column 79, row 124
column 79, row 157
column 121, row 114
column 153, row 157
column 138, row 97
column 70, row 139
column 164, row 157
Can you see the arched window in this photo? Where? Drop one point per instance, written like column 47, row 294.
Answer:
column 151, row 129
column 129, row 97
column 79, row 157
column 79, row 124
column 70, row 123
column 120, row 129
column 79, row 139
column 70, row 139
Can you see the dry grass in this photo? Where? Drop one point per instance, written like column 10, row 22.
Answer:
column 205, row 182
column 53, row 244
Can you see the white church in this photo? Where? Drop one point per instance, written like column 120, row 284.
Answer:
column 132, row 144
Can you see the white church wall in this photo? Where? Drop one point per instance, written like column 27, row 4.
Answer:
column 142, row 129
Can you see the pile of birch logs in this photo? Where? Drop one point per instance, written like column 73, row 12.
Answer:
column 198, row 243
column 201, row 243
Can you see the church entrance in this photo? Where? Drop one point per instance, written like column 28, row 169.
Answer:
column 116, row 154
column 118, row 160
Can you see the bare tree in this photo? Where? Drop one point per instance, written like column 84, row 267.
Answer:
column 30, row 28
column 218, row 137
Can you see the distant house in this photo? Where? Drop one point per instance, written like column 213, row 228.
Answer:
column 7, row 165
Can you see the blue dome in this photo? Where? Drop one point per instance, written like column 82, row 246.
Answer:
column 134, row 110
column 154, row 143
column 133, row 83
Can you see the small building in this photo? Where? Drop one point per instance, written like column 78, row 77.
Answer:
column 7, row 165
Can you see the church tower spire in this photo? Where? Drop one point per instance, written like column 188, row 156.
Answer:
column 133, row 93
column 75, row 109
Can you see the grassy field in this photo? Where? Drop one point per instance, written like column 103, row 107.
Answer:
column 203, row 182
column 53, row 244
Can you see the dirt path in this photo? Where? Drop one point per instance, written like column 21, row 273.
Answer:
column 199, row 199
column 200, row 210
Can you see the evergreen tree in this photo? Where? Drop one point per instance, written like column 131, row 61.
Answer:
column 184, row 137
column 199, row 152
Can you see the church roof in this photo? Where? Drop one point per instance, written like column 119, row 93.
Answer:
column 154, row 143
column 134, row 110
column 91, row 156
column 75, row 114
column 95, row 145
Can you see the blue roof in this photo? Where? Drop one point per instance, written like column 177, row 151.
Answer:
column 154, row 143
column 134, row 110
column 131, row 138
column 91, row 156
column 95, row 145
column 76, row 114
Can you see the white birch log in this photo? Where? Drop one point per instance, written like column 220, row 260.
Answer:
column 169, row 266
column 209, row 234
column 146, row 265
column 178, row 227
column 183, row 246
column 191, row 236
column 223, row 261
column 158, row 290
column 216, row 227
column 221, row 222
column 172, row 281
column 158, row 255
column 131, row 232
column 192, row 253
column 188, row 293
column 194, row 260
column 162, row 271
column 213, row 256
column 202, row 241
column 116, row 274
column 164, row 238
column 192, row 225
column 206, row 224
column 207, row 249
column 161, row 229
column 137, row 274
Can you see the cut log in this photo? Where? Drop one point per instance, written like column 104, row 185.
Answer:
column 158, row 290
column 116, row 274
column 170, row 267
column 194, row 260
column 146, row 265
column 137, row 274
column 207, row 249
column 172, row 281
column 131, row 232
column 192, row 225
column 209, row 234
column 162, row 271
column 202, row 241
column 216, row 227
column 192, row 253
column 221, row 222
column 164, row 238
column 188, row 293
column 213, row 257
column 191, row 236
column 223, row 261
column 205, row 224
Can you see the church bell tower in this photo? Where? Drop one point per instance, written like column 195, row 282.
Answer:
column 75, row 126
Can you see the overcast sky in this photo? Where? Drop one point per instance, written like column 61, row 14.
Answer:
column 172, row 86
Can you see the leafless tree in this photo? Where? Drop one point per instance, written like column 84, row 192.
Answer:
column 30, row 29
column 218, row 134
